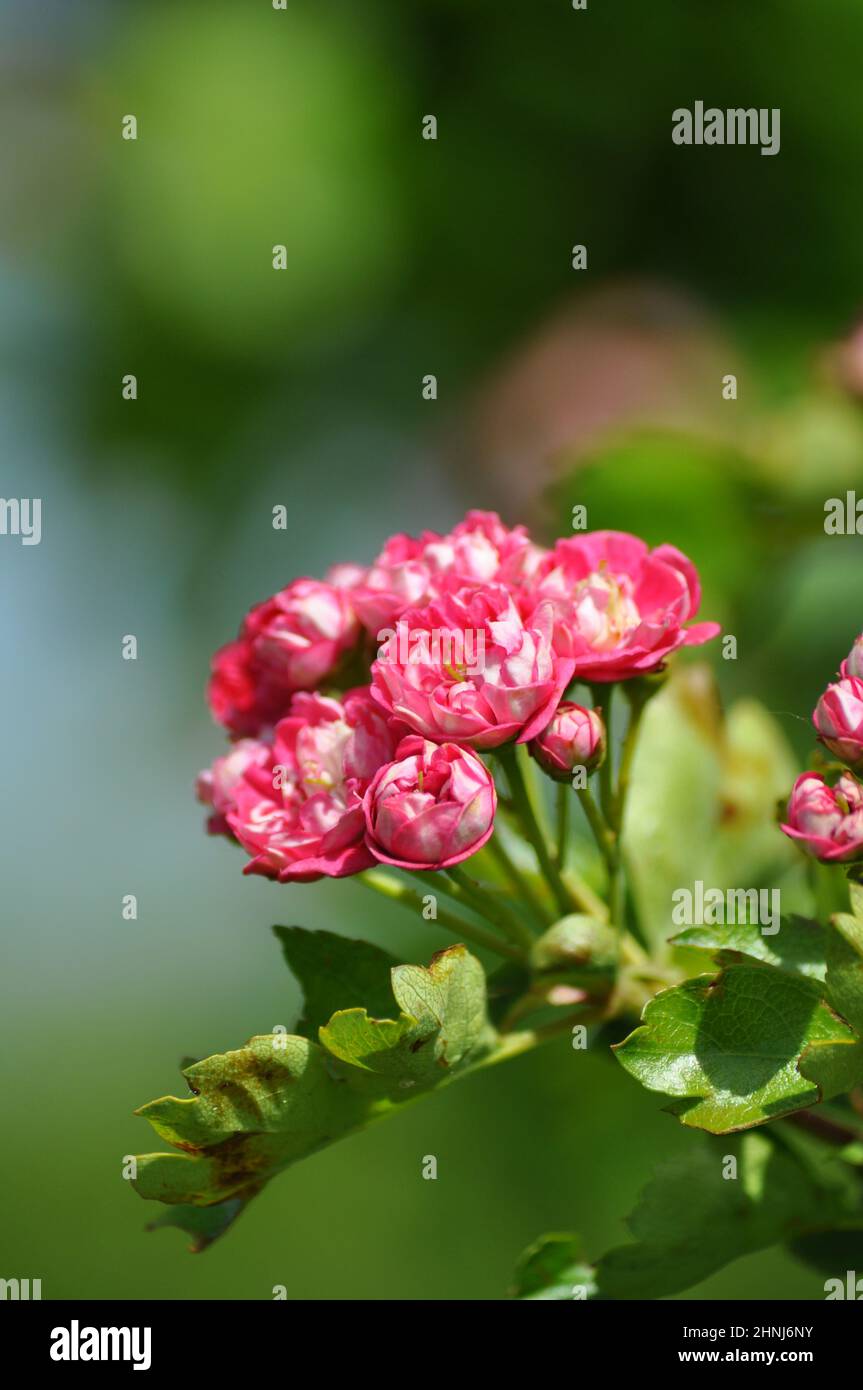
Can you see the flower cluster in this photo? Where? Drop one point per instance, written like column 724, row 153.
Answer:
column 470, row 641
column 828, row 820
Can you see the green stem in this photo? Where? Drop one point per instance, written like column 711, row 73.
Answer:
column 599, row 829
column 532, row 830
column 637, row 708
column 518, row 879
column 514, row 1044
column 564, row 799
column 584, row 896
column 606, row 772
column 476, row 898
column 399, row 892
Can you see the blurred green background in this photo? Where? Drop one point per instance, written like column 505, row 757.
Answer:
column 405, row 257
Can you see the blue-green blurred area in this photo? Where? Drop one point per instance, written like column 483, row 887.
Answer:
column 257, row 387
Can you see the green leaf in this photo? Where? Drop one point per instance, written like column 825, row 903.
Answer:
column 702, row 801
column 255, row 1111
column 203, row 1224
column 554, row 1268
column 335, row 972
column 442, row 1020
column 693, row 1217
column 844, row 988
column 855, row 890
column 799, row 945
column 728, row 1049
column 845, row 968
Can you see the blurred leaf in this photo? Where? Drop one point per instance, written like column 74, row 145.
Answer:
column 692, row 1219
column 666, row 486
column 296, row 148
column 731, row 1048
column 554, row 1268
column 758, row 767
column 702, row 801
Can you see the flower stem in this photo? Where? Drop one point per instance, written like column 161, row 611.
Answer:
column 637, row 708
column 399, row 892
column 499, row 913
column 564, row 796
column 518, row 879
column 606, row 772
column 601, row 832
column 524, row 809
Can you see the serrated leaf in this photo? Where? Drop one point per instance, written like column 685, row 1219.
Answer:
column 255, row 1111
column 336, row 972
column 554, row 1268
column 694, row 1216
column 203, row 1224
column 443, row 1018
column 728, row 1049
column 799, row 946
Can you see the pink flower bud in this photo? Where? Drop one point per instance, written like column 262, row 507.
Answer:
column 431, row 808
column 828, row 821
column 574, row 738
column 838, row 718
column 853, row 663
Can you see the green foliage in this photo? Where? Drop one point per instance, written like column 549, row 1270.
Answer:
column 730, row 1049
column 702, row 800
column 255, row 1111
column 554, row 1268
column 706, row 1208
column 799, row 946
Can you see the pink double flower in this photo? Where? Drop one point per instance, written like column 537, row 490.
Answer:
column 620, row 608
column 511, row 698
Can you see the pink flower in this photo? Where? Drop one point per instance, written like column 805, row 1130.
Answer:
column 240, row 695
column 828, row 821
column 410, row 571
column 575, row 737
column 290, row 642
column 215, row 786
column 620, row 607
column 838, row 718
column 467, row 669
column 398, row 579
column 853, row 663
column 300, row 816
column 480, row 550
column 431, row 808
column 346, row 575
